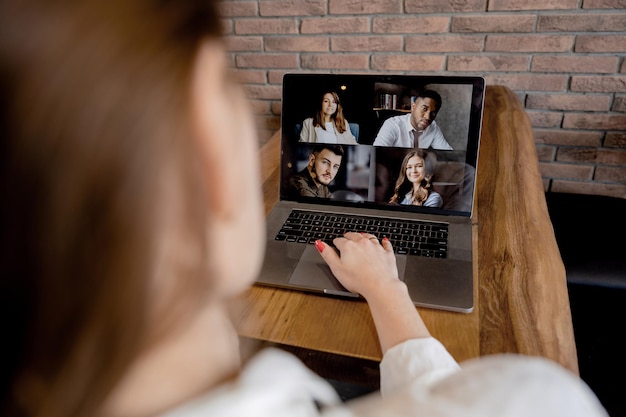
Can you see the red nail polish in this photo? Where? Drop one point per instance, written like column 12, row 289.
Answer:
column 319, row 245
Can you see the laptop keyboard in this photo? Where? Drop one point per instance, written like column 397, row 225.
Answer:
column 408, row 237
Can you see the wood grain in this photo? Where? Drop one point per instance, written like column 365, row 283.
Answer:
column 524, row 302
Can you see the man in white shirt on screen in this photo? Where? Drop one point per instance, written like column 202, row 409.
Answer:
column 417, row 129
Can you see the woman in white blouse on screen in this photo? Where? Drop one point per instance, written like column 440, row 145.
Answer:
column 328, row 124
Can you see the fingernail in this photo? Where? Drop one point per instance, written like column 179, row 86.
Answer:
column 319, row 245
column 386, row 239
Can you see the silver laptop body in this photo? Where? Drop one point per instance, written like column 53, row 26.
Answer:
column 441, row 279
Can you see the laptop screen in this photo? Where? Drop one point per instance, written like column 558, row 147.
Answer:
column 397, row 142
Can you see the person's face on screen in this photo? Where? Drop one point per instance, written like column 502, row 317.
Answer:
column 329, row 105
column 415, row 170
column 423, row 112
column 325, row 166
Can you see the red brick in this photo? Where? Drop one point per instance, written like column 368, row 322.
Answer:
column 546, row 153
column 365, row 7
column 247, row 76
column 582, row 155
column 330, row 61
column 366, row 43
column 292, row 8
column 567, row 137
column 275, row 76
column 573, row 63
column 545, row 118
column 600, row 43
column 566, row 171
column 266, row 60
column 610, row 174
column 227, row 26
column 259, row 107
column 238, row 8
column 335, row 25
column 445, row 6
column 408, row 25
column 529, row 82
column 296, row 44
column 596, row 22
column 262, row 92
column 488, row 63
column 265, row 26
column 611, row 156
column 586, row 102
column 604, row 4
column 529, row 43
column 597, row 121
column 577, row 187
column 532, row 4
column 499, row 23
column 244, row 43
column 623, row 68
column 444, row 43
column 619, row 104
column 277, row 108
column 615, row 140
column 407, row 62
column 606, row 84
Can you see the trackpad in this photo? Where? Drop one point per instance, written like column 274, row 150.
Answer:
column 312, row 272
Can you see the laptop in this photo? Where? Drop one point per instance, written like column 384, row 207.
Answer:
column 436, row 262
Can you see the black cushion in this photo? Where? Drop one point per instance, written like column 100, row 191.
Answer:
column 590, row 231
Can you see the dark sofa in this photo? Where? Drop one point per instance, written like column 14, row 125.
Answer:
column 591, row 234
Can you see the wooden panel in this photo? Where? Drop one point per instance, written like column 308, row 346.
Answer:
column 523, row 292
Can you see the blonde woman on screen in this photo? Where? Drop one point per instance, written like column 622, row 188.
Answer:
column 413, row 186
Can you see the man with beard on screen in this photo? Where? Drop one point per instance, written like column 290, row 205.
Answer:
column 313, row 180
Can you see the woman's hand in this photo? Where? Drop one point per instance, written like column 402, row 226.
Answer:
column 366, row 264
column 368, row 267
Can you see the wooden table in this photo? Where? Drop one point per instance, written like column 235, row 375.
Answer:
column 522, row 304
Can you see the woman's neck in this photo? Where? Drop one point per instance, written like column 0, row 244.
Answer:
column 202, row 355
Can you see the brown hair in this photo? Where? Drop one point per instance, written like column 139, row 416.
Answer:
column 93, row 114
column 337, row 117
column 403, row 186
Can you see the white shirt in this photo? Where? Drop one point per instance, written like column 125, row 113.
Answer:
column 316, row 134
column 418, row 378
column 397, row 131
column 433, row 200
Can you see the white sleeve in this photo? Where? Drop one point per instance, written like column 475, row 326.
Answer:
column 439, row 141
column 423, row 361
column 305, row 134
column 386, row 135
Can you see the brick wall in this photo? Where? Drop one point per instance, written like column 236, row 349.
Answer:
column 565, row 59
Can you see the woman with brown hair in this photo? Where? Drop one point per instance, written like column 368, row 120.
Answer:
column 413, row 186
column 328, row 124
column 123, row 213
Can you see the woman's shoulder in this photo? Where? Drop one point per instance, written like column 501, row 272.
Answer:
column 434, row 199
column 273, row 383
